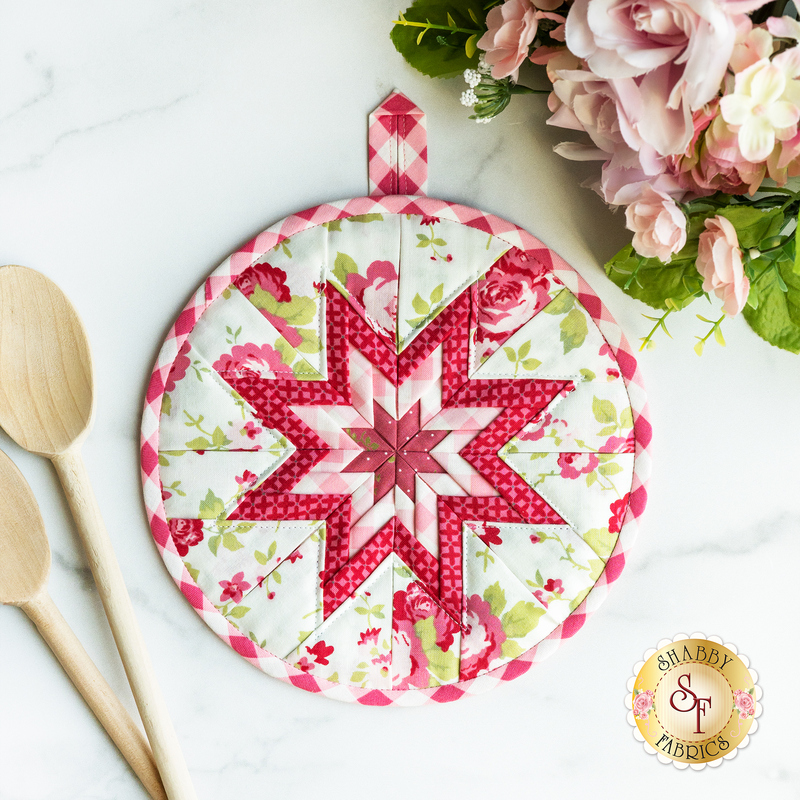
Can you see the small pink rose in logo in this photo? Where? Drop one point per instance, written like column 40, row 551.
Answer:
column 573, row 465
column 744, row 702
column 186, row 533
column 642, row 704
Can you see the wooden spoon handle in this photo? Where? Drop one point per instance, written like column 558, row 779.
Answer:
column 111, row 587
column 96, row 692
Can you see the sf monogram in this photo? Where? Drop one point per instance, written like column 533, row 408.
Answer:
column 697, row 702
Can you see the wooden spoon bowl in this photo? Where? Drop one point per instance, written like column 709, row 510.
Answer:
column 24, row 569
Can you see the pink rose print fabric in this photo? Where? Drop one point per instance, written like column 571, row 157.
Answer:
column 394, row 451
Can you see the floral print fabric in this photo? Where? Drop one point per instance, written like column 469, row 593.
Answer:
column 396, row 452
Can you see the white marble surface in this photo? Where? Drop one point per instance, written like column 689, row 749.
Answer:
column 139, row 145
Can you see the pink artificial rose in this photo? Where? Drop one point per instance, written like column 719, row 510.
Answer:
column 573, row 465
column 515, row 288
column 658, row 225
column 714, row 163
column 642, row 704
column 678, row 50
column 745, row 703
column 624, row 123
column 719, row 261
column 512, row 27
column 369, row 636
column 186, row 533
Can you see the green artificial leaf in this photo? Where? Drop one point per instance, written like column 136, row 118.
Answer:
column 511, row 353
column 230, row 542
column 276, row 576
column 166, row 405
column 260, row 557
column 211, row 506
column 271, row 552
column 753, row 225
column 604, row 410
column 524, row 350
column 655, row 283
column 561, row 303
column 163, row 461
column 333, row 226
column 237, row 612
column 437, row 294
column 200, row 443
column 573, row 330
column 777, row 318
column 213, row 544
column 531, row 363
column 357, row 677
column 607, row 431
column 496, row 598
column 591, row 478
column 343, row 265
column 195, row 573
column 521, row 619
column 796, row 266
column 626, row 418
column 423, row 48
column 244, row 527
column 420, row 306
column 363, row 611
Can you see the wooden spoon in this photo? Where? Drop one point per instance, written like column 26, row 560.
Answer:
column 24, row 569
column 46, row 406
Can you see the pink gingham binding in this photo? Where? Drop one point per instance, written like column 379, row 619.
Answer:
column 214, row 286
column 398, row 148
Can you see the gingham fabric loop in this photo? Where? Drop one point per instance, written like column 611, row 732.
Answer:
column 398, row 148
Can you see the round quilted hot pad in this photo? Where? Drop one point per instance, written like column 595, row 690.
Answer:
column 394, row 450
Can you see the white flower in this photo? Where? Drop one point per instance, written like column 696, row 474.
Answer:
column 468, row 98
column 472, row 77
column 765, row 104
column 484, row 119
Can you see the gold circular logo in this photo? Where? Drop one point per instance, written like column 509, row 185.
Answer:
column 694, row 701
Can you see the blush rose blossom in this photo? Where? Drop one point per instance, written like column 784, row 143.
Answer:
column 573, row 465
column 511, row 27
column 642, row 704
column 677, row 51
column 186, row 533
column 719, row 261
column 658, row 225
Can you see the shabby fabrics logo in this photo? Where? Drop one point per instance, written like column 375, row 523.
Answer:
column 693, row 701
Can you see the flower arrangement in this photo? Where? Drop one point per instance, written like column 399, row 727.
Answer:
column 691, row 106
